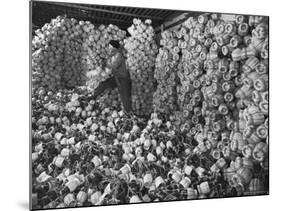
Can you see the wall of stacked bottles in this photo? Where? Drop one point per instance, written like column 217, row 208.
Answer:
column 142, row 50
column 206, row 138
column 213, row 77
column 67, row 53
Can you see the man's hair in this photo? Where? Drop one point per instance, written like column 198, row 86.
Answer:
column 115, row 44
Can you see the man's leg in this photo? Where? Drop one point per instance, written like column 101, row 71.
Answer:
column 109, row 83
column 124, row 87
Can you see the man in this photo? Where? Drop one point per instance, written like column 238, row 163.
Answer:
column 121, row 76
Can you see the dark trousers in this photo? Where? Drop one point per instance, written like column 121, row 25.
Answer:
column 124, row 88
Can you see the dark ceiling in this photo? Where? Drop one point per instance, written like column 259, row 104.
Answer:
column 43, row 12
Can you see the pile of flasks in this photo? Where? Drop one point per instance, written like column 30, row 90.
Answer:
column 205, row 134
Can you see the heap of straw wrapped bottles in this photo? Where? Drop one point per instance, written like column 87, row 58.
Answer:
column 212, row 140
column 141, row 53
column 222, row 91
column 167, row 60
column 69, row 53
column 97, row 53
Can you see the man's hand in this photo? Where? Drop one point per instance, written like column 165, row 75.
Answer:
column 108, row 63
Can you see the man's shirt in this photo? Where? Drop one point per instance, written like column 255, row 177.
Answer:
column 118, row 65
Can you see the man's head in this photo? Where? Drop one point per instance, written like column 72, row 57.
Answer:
column 113, row 46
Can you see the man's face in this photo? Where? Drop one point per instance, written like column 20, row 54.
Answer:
column 112, row 50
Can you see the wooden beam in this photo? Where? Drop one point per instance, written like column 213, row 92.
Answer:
column 159, row 12
column 103, row 10
column 112, row 19
column 109, row 21
column 132, row 10
column 171, row 21
column 118, row 9
column 170, row 16
column 162, row 27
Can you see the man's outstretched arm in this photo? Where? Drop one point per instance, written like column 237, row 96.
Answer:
column 109, row 83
